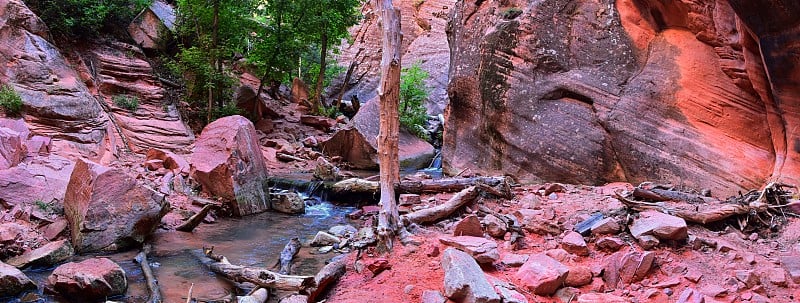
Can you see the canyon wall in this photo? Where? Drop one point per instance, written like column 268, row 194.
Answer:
column 595, row 91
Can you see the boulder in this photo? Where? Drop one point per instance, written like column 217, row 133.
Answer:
column 464, row 281
column 494, row 226
column 151, row 27
column 514, row 260
column 358, row 144
column 542, row 275
column 483, row 250
column 13, row 281
column 432, row 296
column 627, row 268
column 12, row 148
column 228, row 163
column 169, row 160
column 46, row 256
column 660, row 225
column 20, row 183
column 605, row 226
column 578, row 276
column 287, row 203
column 468, row 226
column 108, row 209
column 91, row 280
column 609, row 243
column 573, row 243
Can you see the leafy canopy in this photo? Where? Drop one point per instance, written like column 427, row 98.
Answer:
column 86, row 18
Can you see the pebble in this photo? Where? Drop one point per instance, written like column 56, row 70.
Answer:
column 668, row 291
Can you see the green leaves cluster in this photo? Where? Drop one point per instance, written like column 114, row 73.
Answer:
column 10, row 101
column 128, row 102
column 86, row 18
column 413, row 93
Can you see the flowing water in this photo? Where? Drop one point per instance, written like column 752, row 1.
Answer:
column 251, row 241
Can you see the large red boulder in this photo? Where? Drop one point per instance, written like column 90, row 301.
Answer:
column 228, row 163
column 108, row 209
column 92, row 280
column 12, row 148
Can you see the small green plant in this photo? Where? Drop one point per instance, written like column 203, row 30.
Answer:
column 42, row 205
column 229, row 109
column 330, row 112
column 413, row 93
column 10, row 100
column 128, row 102
column 510, row 13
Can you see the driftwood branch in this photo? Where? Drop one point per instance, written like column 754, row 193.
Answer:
column 195, row 220
column 438, row 212
column 259, row 276
column 424, row 186
column 152, row 284
column 287, row 256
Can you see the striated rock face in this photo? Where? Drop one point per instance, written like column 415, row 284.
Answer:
column 108, row 210
column 228, row 162
column 598, row 90
column 424, row 40
column 56, row 103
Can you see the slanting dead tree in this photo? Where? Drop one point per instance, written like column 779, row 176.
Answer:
column 388, row 150
column 762, row 206
column 196, row 219
column 261, row 277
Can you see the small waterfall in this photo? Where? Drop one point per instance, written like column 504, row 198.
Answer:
column 437, row 161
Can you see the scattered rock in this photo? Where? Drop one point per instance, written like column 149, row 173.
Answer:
column 108, row 209
column 432, row 296
column 318, row 122
column 748, row 277
column 693, row 276
column 12, row 148
column 542, row 275
column 46, row 256
column 409, row 199
column 606, row 226
column 690, row 295
column 464, row 281
column 628, row 267
column 777, row 277
column 469, row 226
column 714, row 291
column 609, row 244
column 169, row 160
column 483, row 250
column 13, row 281
column 227, row 161
column 578, row 276
column 494, row 226
column 54, row 230
column 343, row 230
column 559, row 254
column 568, row 294
column 92, row 279
column 324, row 239
column 660, row 225
column 648, row 242
column 514, row 260
column 601, row 298
column 295, row 298
column 573, row 243
column 287, row 203
column 508, row 292
column 585, row 226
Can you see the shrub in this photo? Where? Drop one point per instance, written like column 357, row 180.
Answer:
column 229, row 109
column 510, row 13
column 330, row 112
column 10, row 101
column 413, row 93
column 85, row 18
column 128, row 102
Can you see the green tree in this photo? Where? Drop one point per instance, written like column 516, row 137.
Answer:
column 413, row 93
column 86, row 18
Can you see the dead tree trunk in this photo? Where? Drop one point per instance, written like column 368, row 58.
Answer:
column 361, row 186
column 347, row 77
column 152, row 284
column 389, row 92
column 438, row 212
column 195, row 220
column 258, row 276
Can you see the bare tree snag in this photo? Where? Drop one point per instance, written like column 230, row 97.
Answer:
column 347, row 76
column 152, row 284
column 195, row 220
column 389, row 92
column 259, row 276
column 438, row 212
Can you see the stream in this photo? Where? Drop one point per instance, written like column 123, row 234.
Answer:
column 255, row 240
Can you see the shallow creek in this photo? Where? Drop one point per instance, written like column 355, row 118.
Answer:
column 251, row 241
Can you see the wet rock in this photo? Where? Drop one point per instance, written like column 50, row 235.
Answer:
column 660, row 225
column 514, row 260
column 46, row 256
column 494, row 226
column 601, row 298
column 578, row 276
column 108, row 209
column 324, row 239
column 464, row 281
column 468, row 226
column 432, row 296
column 542, row 275
column 228, row 163
column 92, row 279
column 13, row 281
column 792, row 266
column 648, row 242
column 573, row 243
column 287, row 203
column 609, row 244
column 607, row 226
column 508, row 292
column 483, row 250
column 748, row 277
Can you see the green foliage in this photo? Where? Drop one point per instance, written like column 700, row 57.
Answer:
column 309, row 69
column 330, row 112
column 85, row 18
column 10, row 101
column 229, row 109
column 128, row 102
column 510, row 13
column 413, row 93
column 42, row 205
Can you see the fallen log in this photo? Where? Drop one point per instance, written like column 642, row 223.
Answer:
column 259, row 295
column 287, row 256
column 152, row 284
column 356, row 185
column 327, row 277
column 195, row 220
column 259, row 276
column 438, row 212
